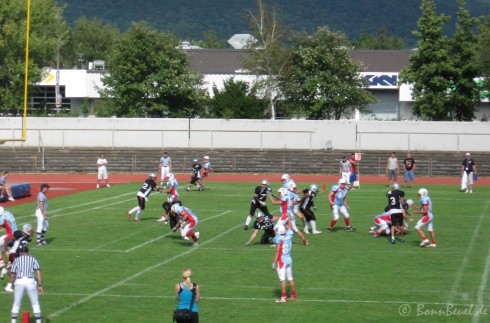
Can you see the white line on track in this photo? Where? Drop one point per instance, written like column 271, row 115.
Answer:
column 144, row 271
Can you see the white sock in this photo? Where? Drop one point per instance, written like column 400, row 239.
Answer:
column 313, row 225
column 249, row 219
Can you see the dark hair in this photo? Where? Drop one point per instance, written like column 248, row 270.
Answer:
column 23, row 248
column 44, row 185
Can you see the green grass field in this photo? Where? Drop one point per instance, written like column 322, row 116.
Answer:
column 99, row 267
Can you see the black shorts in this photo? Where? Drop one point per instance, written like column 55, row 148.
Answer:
column 397, row 219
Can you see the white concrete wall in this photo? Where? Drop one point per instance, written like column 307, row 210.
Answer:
column 247, row 134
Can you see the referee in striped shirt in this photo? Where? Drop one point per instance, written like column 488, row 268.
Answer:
column 22, row 274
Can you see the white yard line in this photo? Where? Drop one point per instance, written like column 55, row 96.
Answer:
column 144, row 271
column 483, row 285
column 466, row 258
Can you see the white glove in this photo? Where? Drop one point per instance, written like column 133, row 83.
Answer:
column 274, row 266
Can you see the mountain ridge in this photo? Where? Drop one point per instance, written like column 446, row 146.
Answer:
column 189, row 19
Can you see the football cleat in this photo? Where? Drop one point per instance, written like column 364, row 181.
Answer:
column 432, row 245
column 197, row 234
column 330, row 230
column 393, row 241
column 195, row 244
column 316, row 232
column 136, row 219
column 9, row 288
column 424, row 242
column 350, row 229
column 245, row 227
column 281, row 300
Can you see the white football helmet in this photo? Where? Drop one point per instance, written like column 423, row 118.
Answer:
column 285, row 178
column 2, row 210
column 195, row 160
column 264, row 182
column 396, row 186
column 313, row 188
column 292, row 187
column 170, row 176
column 27, row 228
column 280, row 229
column 260, row 214
column 170, row 199
column 423, row 192
column 342, row 181
column 206, row 157
column 177, row 209
column 409, row 202
column 152, row 175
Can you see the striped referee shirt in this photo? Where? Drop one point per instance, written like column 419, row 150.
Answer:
column 25, row 266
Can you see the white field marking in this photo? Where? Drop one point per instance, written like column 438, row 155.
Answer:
column 466, row 258
column 167, row 234
column 56, row 211
column 483, row 285
column 250, row 299
column 143, row 271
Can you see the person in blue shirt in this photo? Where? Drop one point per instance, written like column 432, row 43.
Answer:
column 188, row 295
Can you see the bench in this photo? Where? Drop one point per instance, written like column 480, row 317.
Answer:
column 19, row 190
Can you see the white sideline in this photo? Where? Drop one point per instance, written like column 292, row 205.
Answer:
column 98, row 293
column 469, row 250
column 481, row 291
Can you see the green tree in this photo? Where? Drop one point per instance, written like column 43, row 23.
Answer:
column 430, row 66
column 483, row 54
column 322, row 82
column 237, row 100
column 465, row 92
column 149, row 77
column 211, row 40
column 269, row 56
column 46, row 27
column 89, row 40
column 379, row 41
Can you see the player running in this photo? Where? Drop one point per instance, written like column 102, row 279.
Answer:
column 148, row 186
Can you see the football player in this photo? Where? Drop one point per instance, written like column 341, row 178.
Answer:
column 148, row 186
column 196, row 176
column 263, row 222
column 259, row 202
column 305, row 205
column 338, row 203
column 187, row 221
column 172, row 190
column 427, row 218
column 395, row 201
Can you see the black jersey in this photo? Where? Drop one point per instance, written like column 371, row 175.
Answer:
column 267, row 225
column 308, row 200
column 196, row 167
column 148, row 186
column 394, row 199
column 261, row 193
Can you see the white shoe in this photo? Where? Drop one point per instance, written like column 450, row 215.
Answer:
column 186, row 238
column 3, row 273
column 316, row 232
column 11, row 198
column 97, row 186
column 197, row 234
column 9, row 288
column 195, row 244
column 108, row 185
column 306, row 231
column 424, row 242
column 161, row 219
column 432, row 245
